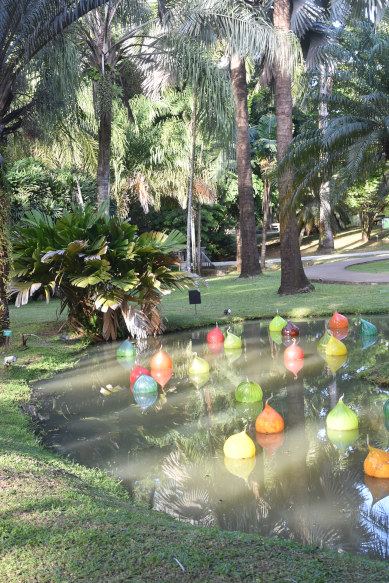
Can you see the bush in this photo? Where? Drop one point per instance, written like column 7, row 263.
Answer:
column 104, row 270
column 33, row 186
column 215, row 221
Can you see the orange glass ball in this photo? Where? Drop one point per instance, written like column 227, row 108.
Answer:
column 269, row 421
column 161, row 361
column 338, row 321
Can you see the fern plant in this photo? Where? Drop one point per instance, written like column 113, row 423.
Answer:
column 106, row 273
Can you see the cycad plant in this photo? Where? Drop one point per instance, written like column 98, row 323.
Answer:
column 102, row 268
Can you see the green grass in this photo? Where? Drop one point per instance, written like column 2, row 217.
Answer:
column 61, row 522
column 258, row 298
column 373, row 267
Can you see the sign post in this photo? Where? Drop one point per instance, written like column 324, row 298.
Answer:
column 194, row 298
column 7, row 334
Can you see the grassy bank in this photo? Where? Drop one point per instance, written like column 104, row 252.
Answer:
column 61, row 522
column 258, row 298
column 374, row 267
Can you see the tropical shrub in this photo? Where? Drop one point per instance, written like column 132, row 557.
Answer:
column 34, row 186
column 216, row 221
column 109, row 277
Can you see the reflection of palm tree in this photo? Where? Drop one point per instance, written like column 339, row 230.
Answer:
column 333, row 392
column 181, row 496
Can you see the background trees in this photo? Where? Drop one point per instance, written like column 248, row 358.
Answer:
column 171, row 147
column 25, row 28
column 352, row 148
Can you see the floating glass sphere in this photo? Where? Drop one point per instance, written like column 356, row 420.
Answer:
column 335, row 347
column 136, row 372
column 232, row 341
column 145, row 384
column 277, row 324
column 367, row 328
column 161, row 360
column 215, row 336
column 248, row 392
column 290, row 329
column 338, row 321
column 126, row 350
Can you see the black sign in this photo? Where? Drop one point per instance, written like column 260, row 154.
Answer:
column 194, row 296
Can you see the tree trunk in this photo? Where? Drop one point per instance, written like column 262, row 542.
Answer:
column 326, row 236
column 250, row 257
column 199, row 239
column 193, row 240
column 265, row 221
column 293, row 278
column 371, row 218
column 77, row 194
column 190, row 191
column 238, row 247
column 98, row 38
column 104, row 160
column 4, row 262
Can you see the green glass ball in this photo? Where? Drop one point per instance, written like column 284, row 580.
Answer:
column 248, row 392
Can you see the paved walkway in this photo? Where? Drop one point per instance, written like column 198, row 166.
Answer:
column 336, row 271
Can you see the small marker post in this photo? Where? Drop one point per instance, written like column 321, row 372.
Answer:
column 7, row 335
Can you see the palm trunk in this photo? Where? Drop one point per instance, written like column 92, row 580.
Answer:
column 249, row 248
column 193, row 239
column 190, row 191
column 99, row 38
column 77, row 192
column 4, row 262
column 238, row 247
column 104, row 160
column 199, row 239
column 265, row 210
column 326, row 238
column 293, row 278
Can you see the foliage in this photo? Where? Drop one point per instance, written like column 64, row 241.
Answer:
column 102, row 268
column 158, row 144
column 353, row 147
column 216, row 221
column 25, row 28
column 366, row 200
column 35, row 186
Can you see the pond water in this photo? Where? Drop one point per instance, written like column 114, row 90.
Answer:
column 167, row 449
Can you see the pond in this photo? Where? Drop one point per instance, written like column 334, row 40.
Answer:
column 304, row 484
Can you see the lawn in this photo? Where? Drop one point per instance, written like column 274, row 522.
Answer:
column 61, row 522
column 258, row 298
column 373, row 267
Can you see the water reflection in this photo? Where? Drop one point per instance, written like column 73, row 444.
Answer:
column 303, row 484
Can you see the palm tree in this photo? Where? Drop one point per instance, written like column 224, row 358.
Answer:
column 108, row 32
column 25, row 28
column 306, row 19
column 242, row 32
column 264, row 145
column 248, row 257
column 353, row 148
column 186, row 63
column 293, row 278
